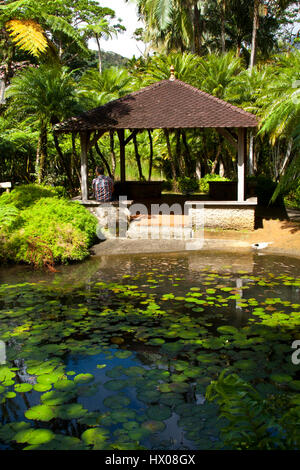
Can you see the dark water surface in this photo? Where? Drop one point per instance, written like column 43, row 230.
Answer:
column 118, row 352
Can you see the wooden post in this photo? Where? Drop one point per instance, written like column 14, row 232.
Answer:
column 84, row 136
column 121, row 134
column 241, row 164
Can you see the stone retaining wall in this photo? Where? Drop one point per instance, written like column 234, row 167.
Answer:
column 113, row 218
column 226, row 217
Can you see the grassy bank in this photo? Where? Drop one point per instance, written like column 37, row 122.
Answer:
column 40, row 226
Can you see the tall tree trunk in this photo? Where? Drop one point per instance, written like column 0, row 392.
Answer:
column 251, row 153
column 178, row 155
column 223, row 36
column 41, row 155
column 254, row 33
column 2, row 91
column 103, row 159
column 171, row 159
column 112, row 153
column 151, row 155
column 216, row 160
column 197, row 29
column 138, row 159
column 65, row 165
column 74, row 158
column 188, row 159
column 287, row 157
column 99, row 54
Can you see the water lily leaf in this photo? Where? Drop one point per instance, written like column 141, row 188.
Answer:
column 123, row 354
column 60, row 442
column 95, row 437
column 71, row 411
column 227, row 330
column 134, row 371
column 156, row 341
column 64, row 385
column 115, row 372
column 34, row 436
column 122, row 416
column 116, row 401
column 8, row 431
column 115, row 385
column 56, row 397
column 41, row 413
column 23, row 388
column 42, row 387
column 158, row 412
column 83, row 378
column 172, row 348
column 148, row 396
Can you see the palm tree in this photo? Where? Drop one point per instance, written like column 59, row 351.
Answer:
column 98, row 89
column 46, row 95
column 281, row 116
column 158, row 67
column 173, row 23
column 216, row 73
column 102, row 29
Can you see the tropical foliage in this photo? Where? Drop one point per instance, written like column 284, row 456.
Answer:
column 39, row 226
column 51, row 75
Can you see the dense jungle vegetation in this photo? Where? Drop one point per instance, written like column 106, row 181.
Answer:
column 243, row 52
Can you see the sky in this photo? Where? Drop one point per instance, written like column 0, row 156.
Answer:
column 123, row 44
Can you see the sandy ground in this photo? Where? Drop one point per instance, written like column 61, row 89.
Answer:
column 282, row 233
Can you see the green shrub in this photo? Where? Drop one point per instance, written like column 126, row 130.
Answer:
column 188, row 185
column 49, row 229
column 204, row 182
column 10, row 218
column 26, row 195
column 167, row 185
column 292, row 199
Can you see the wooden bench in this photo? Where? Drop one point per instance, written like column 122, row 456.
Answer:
column 6, row 186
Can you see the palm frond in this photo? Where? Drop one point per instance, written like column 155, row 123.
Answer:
column 60, row 25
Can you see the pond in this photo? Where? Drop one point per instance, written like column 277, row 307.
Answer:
column 190, row 351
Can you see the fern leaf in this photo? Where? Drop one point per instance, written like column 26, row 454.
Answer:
column 28, row 36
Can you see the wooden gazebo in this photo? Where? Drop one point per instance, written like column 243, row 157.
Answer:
column 168, row 104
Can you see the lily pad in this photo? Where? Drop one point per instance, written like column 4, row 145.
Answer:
column 23, row 388
column 158, row 412
column 34, row 436
column 116, row 401
column 83, row 378
column 41, row 413
column 95, row 437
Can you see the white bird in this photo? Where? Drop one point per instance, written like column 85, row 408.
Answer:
column 261, row 246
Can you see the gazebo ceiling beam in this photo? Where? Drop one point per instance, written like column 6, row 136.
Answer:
column 132, row 135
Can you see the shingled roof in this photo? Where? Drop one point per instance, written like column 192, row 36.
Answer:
column 168, row 104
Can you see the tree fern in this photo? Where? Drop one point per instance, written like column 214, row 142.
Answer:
column 28, row 35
